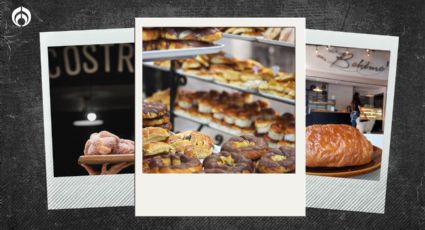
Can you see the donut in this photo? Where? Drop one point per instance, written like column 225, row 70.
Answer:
column 275, row 160
column 249, row 146
column 153, row 110
column 174, row 163
column 227, row 162
column 192, row 143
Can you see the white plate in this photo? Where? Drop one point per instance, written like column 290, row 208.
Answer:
column 180, row 53
column 275, row 42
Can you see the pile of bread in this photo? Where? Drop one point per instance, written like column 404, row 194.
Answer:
column 178, row 38
column 192, row 152
column 106, row 143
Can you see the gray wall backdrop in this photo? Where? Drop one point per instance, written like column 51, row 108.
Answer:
column 22, row 168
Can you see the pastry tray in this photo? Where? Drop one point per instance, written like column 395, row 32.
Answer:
column 240, row 37
column 181, row 72
column 271, row 96
column 172, row 54
column 105, row 159
column 275, row 42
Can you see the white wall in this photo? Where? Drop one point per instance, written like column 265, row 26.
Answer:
column 342, row 93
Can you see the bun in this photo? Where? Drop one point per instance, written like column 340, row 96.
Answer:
column 153, row 110
column 336, row 146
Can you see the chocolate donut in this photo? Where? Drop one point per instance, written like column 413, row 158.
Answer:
column 249, row 146
column 153, row 110
column 227, row 162
column 174, row 163
column 279, row 160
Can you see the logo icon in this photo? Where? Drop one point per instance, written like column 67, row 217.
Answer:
column 21, row 16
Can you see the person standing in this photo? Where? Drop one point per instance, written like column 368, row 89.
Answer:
column 355, row 109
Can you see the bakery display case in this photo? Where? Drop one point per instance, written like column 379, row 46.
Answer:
column 238, row 88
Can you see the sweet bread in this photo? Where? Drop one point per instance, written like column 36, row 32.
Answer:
column 249, row 146
column 227, row 162
column 174, row 163
column 154, row 134
column 155, row 148
column 336, row 146
column 193, row 143
column 275, row 160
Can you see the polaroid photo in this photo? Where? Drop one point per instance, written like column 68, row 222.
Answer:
column 220, row 116
column 88, row 104
column 350, row 81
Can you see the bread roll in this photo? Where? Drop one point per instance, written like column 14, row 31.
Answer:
column 336, row 146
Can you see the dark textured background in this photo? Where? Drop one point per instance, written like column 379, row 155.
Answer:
column 23, row 182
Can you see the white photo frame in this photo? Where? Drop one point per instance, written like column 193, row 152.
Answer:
column 204, row 195
column 81, row 191
column 347, row 193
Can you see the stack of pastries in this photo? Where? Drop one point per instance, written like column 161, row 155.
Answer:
column 106, row 143
column 164, row 152
column 155, row 114
column 163, row 38
column 246, row 74
column 192, row 152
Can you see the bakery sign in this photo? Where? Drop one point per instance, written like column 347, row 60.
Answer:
column 91, row 61
column 362, row 61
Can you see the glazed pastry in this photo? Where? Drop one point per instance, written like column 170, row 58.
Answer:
column 249, row 146
column 263, row 125
column 192, row 143
column 154, row 134
column 227, row 162
column 153, row 110
column 155, row 148
column 336, row 146
column 279, row 160
column 289, row 131
column 174, row 163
